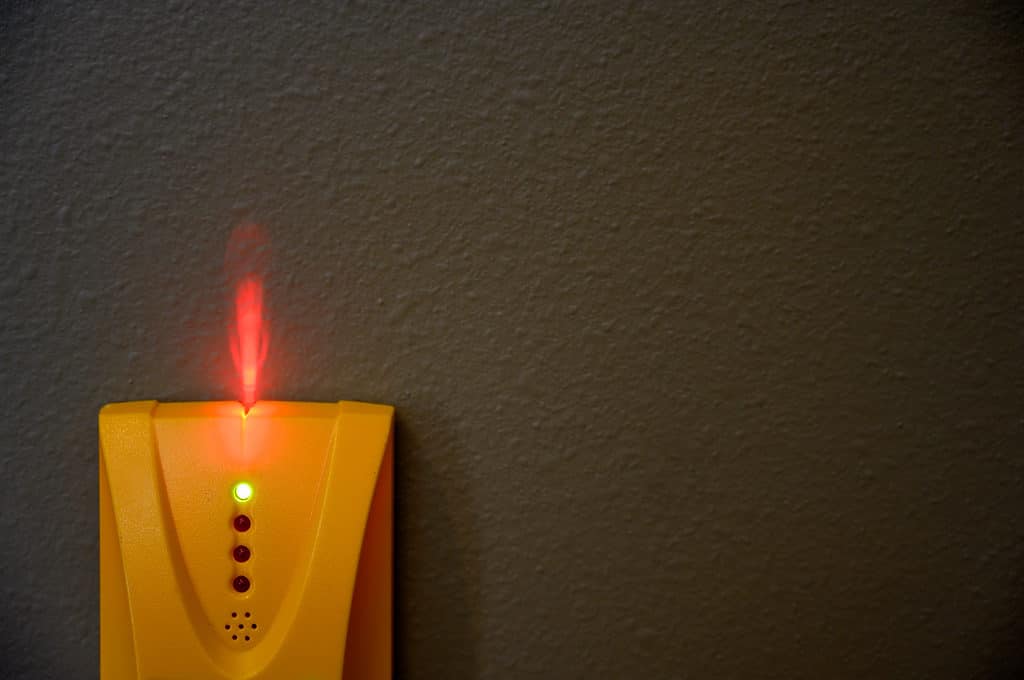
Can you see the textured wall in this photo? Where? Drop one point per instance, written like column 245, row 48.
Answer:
column 703, row 321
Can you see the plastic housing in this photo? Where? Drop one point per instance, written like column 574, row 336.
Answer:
column 320, row 538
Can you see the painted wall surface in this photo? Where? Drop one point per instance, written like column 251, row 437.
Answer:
column 703, row 319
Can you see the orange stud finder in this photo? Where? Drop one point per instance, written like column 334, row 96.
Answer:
column 246, row 544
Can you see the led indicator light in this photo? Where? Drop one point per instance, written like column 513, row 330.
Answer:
column 243, row 492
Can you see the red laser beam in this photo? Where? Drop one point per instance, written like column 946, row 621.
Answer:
column 246, row 262
column 252, row 339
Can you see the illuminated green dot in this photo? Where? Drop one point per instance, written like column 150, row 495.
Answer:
column 242, row 491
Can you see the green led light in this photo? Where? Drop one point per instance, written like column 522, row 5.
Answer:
column 242, row 492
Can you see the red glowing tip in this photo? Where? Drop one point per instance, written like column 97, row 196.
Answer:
column 246, row 261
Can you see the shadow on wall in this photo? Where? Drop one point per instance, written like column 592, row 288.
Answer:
column 17, row 652
column 437, row 570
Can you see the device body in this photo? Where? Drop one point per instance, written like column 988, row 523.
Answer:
column 302, row 588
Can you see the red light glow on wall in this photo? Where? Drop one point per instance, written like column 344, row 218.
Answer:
column 245, row 263
column 251, row 341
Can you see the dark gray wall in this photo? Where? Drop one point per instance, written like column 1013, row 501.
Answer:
column 703, row 320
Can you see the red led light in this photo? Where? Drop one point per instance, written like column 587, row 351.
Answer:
column 241, row 553
column 242, row 523
column 240, row 584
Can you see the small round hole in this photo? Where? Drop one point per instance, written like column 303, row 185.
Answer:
column 246, row 638
column 241, row 626
column 254, row 626
column 234, row 637
column 227, row 626
column 234, row 615
column 247, row 615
